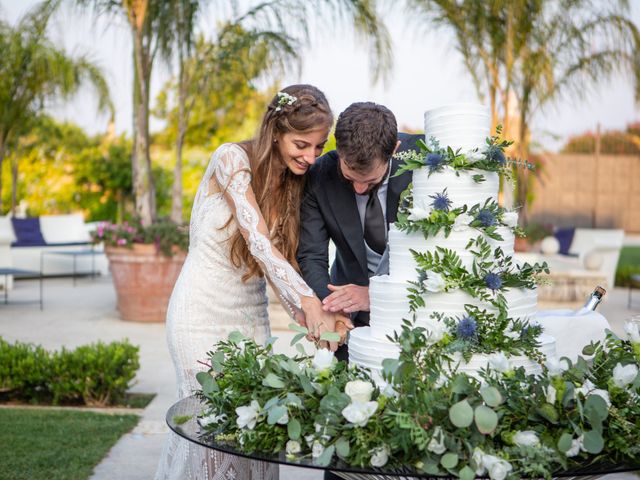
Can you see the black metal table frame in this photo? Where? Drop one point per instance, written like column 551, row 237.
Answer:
column 74, row 254
column 17, row 272
column 191, row 406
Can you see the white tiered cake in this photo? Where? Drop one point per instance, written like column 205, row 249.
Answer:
column 464, row 127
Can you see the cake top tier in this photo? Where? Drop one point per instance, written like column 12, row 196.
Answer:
column 459, row 126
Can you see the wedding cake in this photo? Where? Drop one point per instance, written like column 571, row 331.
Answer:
column 453, row 224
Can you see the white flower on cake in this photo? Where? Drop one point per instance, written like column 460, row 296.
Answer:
column 323, row 359
column 248, row 415
column 434, row 282
column 574, row 449
column 550, row 394
column 588, row 388
column 359, row 413
column 623, row 376
column 418, row 213
column 359, row 391
column 478, row 461
column 526, row 438
column 499, row 362
column 293, row 447
column 497, row 467
column 379, row 456
column 436, row 444
column 511, row 333
column 434, row 332
column 462, row 222
column 632, row 330
column 317, row 449
column 556, row 367
column 510, row 219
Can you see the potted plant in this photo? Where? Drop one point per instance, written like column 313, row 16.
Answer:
column 145, row 262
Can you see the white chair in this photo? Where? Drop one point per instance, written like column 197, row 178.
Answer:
column 607, row 243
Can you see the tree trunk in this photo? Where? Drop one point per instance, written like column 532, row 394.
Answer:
column 176, row 194
column 143, row 184
column 523, row 173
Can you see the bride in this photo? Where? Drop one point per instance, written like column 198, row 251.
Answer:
column 244, row 227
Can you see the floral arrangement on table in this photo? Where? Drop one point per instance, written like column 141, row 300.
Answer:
column 164, row 234
column 504, row 424
column 437, row 158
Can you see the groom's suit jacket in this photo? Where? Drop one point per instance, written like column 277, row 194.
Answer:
column 329, row 212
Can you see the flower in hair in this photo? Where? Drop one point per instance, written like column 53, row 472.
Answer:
column 284, row 99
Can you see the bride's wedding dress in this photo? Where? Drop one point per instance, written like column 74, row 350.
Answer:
column 210, row 300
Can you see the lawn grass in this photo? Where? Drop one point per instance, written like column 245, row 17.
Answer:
column 56, row 445
column 629, row 263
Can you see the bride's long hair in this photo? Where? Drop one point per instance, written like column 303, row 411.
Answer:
column 278, row 191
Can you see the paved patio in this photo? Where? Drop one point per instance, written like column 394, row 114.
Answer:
column 86, row 313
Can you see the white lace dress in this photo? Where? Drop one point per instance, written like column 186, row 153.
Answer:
column 210, row 300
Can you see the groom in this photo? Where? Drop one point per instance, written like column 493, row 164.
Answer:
column 350, row 198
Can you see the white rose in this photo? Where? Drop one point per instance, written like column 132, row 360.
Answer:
column 379, row 456
column 632, row 330
column 556, row 366
column 284, row 419
column 359, row 413
column 434, row 331
column 418, row 213
column 434, row 282
column 462, row 222
column 359, row 391
column 497, row 467
column 248, row 415
column 510, row 333
column 212, row 419
column 323, row 359
column 526, row 438
column 623, row 376
column 575, row 448
column 588, row 388
column 436, row 444
column 510, row 219
column 478, row 461
column 293, row 447
column 499, row 362
column 550, row 392
column 309, row 439
column 317, row 449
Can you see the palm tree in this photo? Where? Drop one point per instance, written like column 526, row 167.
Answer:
column 158, row 25
column 535, row 52
column 33, row 71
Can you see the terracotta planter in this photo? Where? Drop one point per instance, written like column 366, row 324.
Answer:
column 521, row 245
column 143, row 280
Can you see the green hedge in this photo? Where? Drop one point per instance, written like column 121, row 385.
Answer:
column 97, row 374
column 628, row 265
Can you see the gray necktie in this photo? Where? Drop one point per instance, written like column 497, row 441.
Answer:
column 375, row 231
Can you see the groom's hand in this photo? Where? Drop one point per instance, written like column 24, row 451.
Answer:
column 347, row 298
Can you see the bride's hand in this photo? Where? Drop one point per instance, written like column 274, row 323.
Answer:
column 318, row 322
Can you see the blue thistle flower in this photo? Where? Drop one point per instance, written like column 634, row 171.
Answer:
column 441, row 201
column 486, row 218
column 434, row 161
column 524, row 332
column 493, row 281
column 467, row 328
column 495, row 154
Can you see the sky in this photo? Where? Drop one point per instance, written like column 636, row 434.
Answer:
column 428, row 72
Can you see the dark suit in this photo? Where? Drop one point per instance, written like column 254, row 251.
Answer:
column 329, row 211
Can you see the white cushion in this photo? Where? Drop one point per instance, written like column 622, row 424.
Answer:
column 6, row 229
column 64, row 228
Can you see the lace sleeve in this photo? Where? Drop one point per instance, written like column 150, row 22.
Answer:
column 233, row 174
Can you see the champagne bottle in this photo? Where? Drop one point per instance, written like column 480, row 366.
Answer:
column 593, row 300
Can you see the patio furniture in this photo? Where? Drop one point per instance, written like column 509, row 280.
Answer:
column 634, row 282
column 74, row 254
column 17, row 272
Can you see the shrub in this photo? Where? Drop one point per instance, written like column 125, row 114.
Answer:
column 97, row 374
column 164, row 234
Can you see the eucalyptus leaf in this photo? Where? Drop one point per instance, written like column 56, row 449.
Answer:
column 236, row 337
column 596, row 409
column 294, row 429
column 273, row 381
column 217, row 359
column 593, row 442
column 486, row 419
column 342, row 447
column 276, row 413
column 325, row 459
column 461, row 414
column 298, row 328
column 330, row 337
column 271, row 402
column 301, row 349
column 564, row 442
column 297, row 338
column 466, row 473
column 491, row 396
column 449, row 460
column 203, row 378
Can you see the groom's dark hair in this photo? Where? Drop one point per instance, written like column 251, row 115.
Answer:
column 366, row 134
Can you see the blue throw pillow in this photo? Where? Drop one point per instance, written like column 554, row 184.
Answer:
column 565, row 237
column 27, row 231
